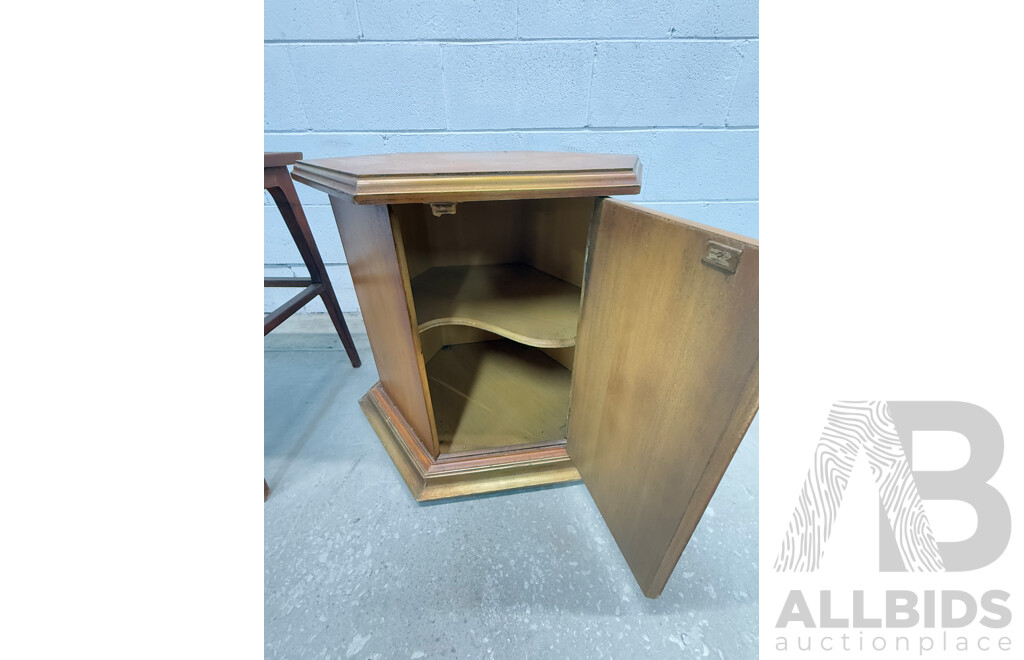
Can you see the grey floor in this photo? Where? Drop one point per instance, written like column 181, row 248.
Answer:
column 356, row 568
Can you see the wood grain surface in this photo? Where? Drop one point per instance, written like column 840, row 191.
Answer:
column 466, row 176
column 383, row 295
column 480, row 233
column 512, row 300
column 665, row 378
column 497, row 394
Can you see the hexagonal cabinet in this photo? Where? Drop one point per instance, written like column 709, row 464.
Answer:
column 529, row 330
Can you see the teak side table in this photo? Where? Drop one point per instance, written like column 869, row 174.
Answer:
column 277, row 182
column 529, row 330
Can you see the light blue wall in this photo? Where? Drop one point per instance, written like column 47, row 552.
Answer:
column 673, row 82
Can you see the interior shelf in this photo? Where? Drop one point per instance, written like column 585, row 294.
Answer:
column 496, row 394
column 511, row 300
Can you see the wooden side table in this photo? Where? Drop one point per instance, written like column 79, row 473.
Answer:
column 528, row 330
column 277, row 182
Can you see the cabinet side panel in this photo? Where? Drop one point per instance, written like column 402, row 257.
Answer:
column 556, row 236
column 478, row 233
column 373, row 260
column 665, row 377
column 411, row 220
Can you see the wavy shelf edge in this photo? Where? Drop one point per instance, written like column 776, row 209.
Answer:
column 498, row 330
column 514, row 301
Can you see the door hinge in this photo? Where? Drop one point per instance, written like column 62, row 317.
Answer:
column 442, row 208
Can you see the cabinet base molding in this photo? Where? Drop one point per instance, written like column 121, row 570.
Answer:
column 469, row 473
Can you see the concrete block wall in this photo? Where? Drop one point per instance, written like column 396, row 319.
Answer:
column 674, row 82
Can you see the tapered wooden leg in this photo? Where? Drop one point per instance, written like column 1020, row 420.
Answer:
column 266, row 490
column 279, row 185
column 334, row 310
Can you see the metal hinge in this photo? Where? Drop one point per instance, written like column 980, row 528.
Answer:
column 442, row 208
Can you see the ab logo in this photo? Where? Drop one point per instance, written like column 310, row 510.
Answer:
column 882, row 430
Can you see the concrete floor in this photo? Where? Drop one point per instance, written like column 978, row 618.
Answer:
column 356, row 568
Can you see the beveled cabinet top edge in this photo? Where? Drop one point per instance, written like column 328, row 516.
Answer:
column 472, row 176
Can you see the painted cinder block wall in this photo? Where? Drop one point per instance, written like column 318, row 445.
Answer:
column 674, row 82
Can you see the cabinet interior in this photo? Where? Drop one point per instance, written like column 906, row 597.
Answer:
column 496, row 291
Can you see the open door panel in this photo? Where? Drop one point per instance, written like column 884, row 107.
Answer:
column 665, row 376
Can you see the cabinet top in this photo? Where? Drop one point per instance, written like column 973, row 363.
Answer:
column 471, row 176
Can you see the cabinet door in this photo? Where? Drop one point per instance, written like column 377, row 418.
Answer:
column 665, row 376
